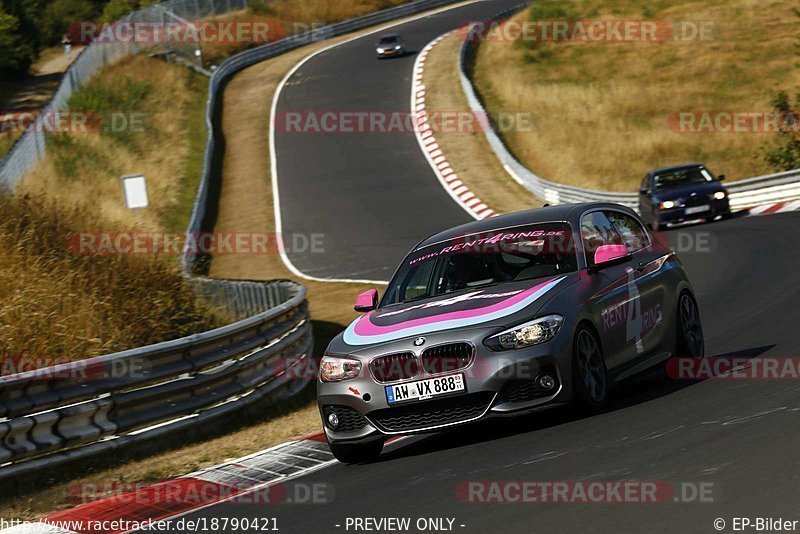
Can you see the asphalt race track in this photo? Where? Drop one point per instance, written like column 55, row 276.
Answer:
column 371, row 196
column 380, row 198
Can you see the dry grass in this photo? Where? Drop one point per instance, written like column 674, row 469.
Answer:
column 56, row 305
column 468, row 152
column 320, row 11
column 602, row 108
column 286, row 17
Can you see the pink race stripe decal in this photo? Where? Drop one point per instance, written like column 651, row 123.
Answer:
column 362, row 331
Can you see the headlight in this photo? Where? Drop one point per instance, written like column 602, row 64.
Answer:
column 398, row 47
column 667, row 204
column 525, row 335
column 719, row 195
column 333, row 369
column 381, row 50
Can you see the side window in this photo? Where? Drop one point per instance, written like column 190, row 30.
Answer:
column 633, row 235
column 597, row 230
column 646, row 184
column 417, row 284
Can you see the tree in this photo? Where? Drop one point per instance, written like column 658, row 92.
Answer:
column 116, row 9
column 16, row 54
column 60, row 15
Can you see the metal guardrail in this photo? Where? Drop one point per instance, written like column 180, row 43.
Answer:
column 30, row 147
column 86, row 408
column 213, row 154
column 743, row 193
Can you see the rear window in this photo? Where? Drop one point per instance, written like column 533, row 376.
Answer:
column 483, row 260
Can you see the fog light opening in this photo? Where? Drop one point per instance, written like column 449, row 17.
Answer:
column 333, row 420
column 546, row 382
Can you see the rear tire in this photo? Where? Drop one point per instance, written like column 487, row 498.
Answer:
column 356, row 453
column 589, row 374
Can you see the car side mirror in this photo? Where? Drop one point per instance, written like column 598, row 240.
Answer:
column 367, row 301
column 644, row 191
column 610, row 254
column 721, row 177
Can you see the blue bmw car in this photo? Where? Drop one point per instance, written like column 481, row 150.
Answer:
column 682, row 193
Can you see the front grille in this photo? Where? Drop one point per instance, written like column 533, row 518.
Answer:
column 349, row 419
column 696, row 201
column 432, row 413
column 394, row 367
column 447, row 358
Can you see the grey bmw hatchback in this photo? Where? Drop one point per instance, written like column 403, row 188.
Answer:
column 506, row 316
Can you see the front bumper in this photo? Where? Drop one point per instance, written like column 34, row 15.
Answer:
column 389, row 53
column 497, row 383
column 716, row 208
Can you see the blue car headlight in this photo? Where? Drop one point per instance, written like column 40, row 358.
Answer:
column 534, row 332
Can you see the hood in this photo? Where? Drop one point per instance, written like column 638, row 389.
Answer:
column 479, row 308
column 684, row 192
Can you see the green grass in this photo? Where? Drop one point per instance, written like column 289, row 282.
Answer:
column 176, row 218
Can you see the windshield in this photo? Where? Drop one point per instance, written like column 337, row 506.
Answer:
column 388, row 40
column 482, row 260
column 681, row 177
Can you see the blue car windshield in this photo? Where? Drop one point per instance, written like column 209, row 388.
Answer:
column 682, row 177
column 485, row 259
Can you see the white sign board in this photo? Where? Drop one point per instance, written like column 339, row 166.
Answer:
column 135, row 191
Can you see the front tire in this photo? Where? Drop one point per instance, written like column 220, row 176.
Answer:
column 356, row 453
column 689, row 328
column 589, row 374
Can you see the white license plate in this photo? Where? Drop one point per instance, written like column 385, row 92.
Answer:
column 697, row 209
column 425, row 389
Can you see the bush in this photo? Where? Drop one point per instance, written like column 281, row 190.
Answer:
column 785, row 154
column 116, row 9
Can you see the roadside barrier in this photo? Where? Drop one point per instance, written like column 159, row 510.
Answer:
column 91, row 407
